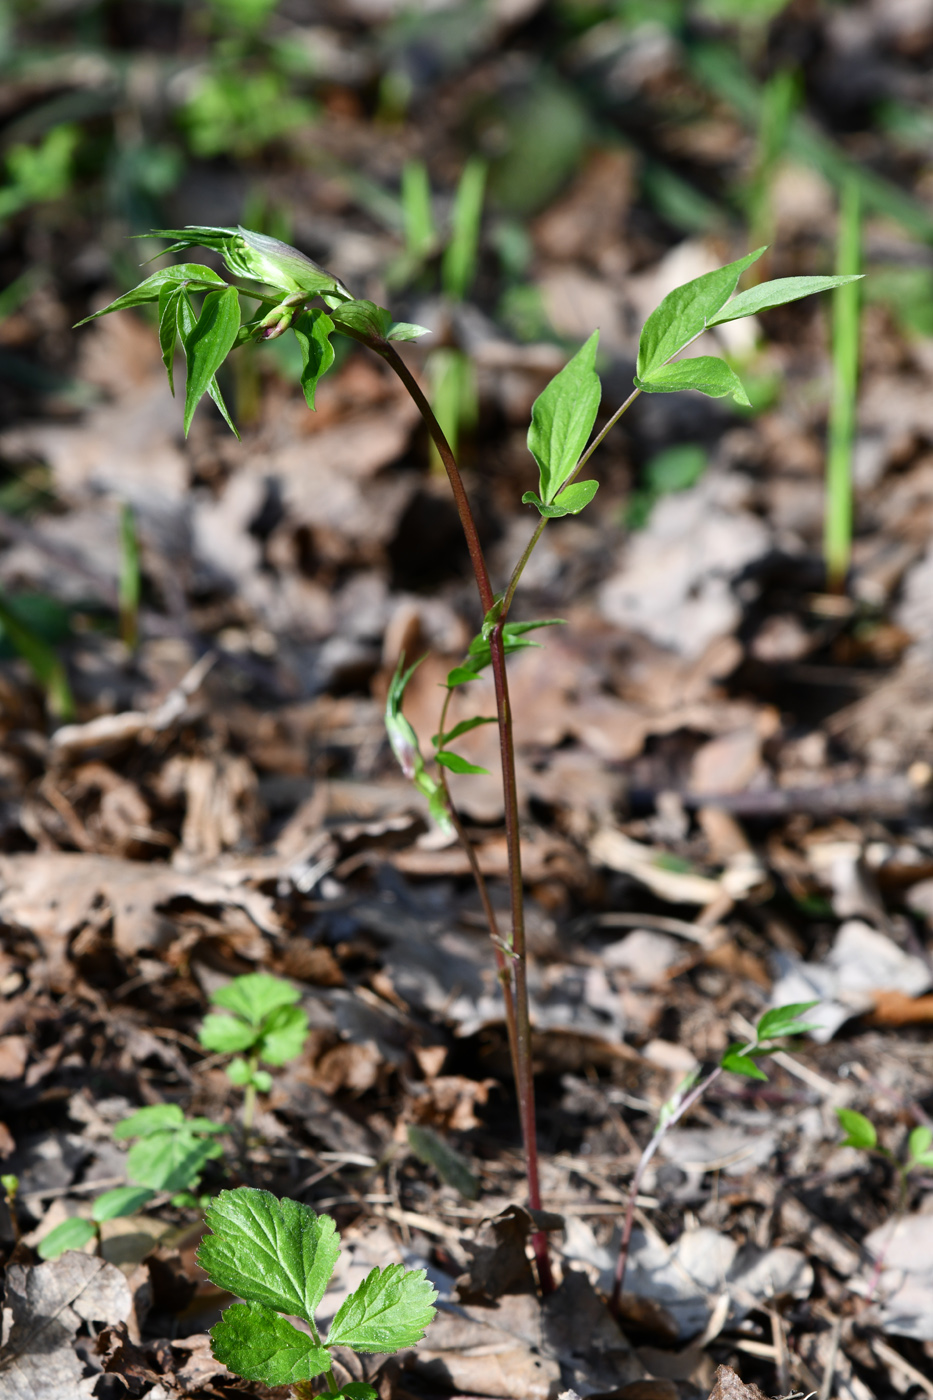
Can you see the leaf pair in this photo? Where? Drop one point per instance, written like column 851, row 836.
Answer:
column 861, row 1132
column 265, row 1024
column 279, row 1255
column 780, row 1021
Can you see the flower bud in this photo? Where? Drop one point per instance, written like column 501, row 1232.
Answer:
column 277, row 264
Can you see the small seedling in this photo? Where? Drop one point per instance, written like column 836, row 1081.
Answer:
column 10, row 1184
column 740, row 1058
column 279, row 1255
column 266, row 1027
column 861, row 1132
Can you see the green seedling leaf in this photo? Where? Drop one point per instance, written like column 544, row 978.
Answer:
column 313, row 330
column 192, row 275
column 441, row 740
column 456, row 764
column 918, row 1147
column 70, row 1234
column 562, row 419
column 283, row 1036
column 208, row 344
column 704, row 373
column 685, row 313
column 784, row 1020
column 363, row 317
column 254, row 1342
column 148, row 1120
column 254, row 995
column 170, row 1161
column 226, row 1035
column 450, row 1165
column 406, row 330
column 390, row 1310
column 777, row 293
column 279, row 1254
column 123, row 1200
column 571, row 500
column 859, row 1130
column 738, row 1063
column 169, row 297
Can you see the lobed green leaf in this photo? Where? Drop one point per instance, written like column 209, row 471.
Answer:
column 227, row 1035
column 777, row 293
column 562, row 419
column 254, row 1342
column 859, row 1131
column 705, row 373
column 254, row 995
column 390, row 1310
column 284, row 1033
column 686, row 312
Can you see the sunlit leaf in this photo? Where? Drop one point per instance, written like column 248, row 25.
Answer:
column 562, row 419
column 254, row 1342
column 705, row 373
column 686, row 312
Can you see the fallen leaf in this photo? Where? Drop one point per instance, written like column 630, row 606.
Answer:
column 728, row 1386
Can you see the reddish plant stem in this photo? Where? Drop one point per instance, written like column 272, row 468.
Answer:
column 523, row 1066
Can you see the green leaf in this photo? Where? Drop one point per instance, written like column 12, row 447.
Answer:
column 283, row 1035
column 42, row 660
column 464, row 727
column 254, row 1342
column 313, row 330
column 405, row 746
column 450, row 1165
column 784, row 1020
column 10, row 1183
column 459, row 261
column 456, row 764
column 262, row 1080
column 859, row 1130
column 254, row 995
column 705, row 373
column 181, row 274
column 170, row 1161
column 208, row 344
column 239, row 1073
column 148, row 1120
column 357, row 1390
column 257, row 256
column 686, row 312
column 571, row 500
column 186, row 325
column 390, row 1310
column 738, row 1063
column 364, row 317
column 70, row 1234
column 562, row 419
column 777, row 293
column 169, row 297
column 406, row 330
column 918, row 1146
column 480, row 652
column 123, row 1200
column 277, row 1253
column 227, row 1035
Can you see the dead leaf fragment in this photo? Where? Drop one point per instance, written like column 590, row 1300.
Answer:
column 728, row 1386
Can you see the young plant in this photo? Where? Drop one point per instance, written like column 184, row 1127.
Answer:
column 284, row 283
column 265, row 1026
column 170, row 1155
column 861, row 1132
column 279, row 1255
column 837, row 530
column 740, row 1058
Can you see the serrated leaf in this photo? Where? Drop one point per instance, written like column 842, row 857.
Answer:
column 783, row 1020
column 777, row 293
column 254, row 995
column 456, row 764
column 226, row 1035
column 313, row 330
column 464, row 727
column 123, row 1200
column 284, row 1033
column 562, row 419
column 737, row 1063
column 150, row 1119
column 570, row 501
column 859, row 1131
column 685, row 312
column 450, row 1165
column 390, row 1310
column 169, row 296
column 192, row 274
column 364, row 317
column 705, row 373
column 254, row 1342
column 70, row 1234
column 406, row 330
column 918, row 1145
column 277, row 1253
column 208, row 344
column 170, row 1161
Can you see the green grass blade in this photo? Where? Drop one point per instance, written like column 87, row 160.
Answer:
column 837, row 538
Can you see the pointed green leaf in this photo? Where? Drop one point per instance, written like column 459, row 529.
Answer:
column 390, row 1310
column 686, row 312
column 364, row 317
column 123, row 1200
column 150, row 1119
column 70, row 1234
column 169, row 296
column 784, row 1020
column 406, row 330
column 254, row 1342
column 456, row 764
column 313, row 330
column 254, row 994
column 208, row 344
column 284, row 1033
column 440, row 740
column 213, row 390
column 277, row 1253
column 227, row 1035
column 180, row 274
column 705, row 372
column 186, row 325
column 170, row 1161
column 738, row 1063
column 450, row 1165
column 562, row 419
column 571, row 500
column 777, row 293
column 859, row 1130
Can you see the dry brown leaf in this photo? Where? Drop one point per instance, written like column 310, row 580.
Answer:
column 728, row 1386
